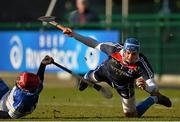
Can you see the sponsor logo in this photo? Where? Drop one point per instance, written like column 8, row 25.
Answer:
column 16, row 52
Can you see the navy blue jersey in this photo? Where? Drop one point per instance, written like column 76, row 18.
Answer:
column 120, row 73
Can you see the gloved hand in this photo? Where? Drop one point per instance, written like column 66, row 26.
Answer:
column 47, row 60
column 68, row 32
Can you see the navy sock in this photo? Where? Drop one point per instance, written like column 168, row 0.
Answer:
column 144, row 105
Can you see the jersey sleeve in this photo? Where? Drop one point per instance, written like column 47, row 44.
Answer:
column 109, row 47
column 146, row 70
column 90, row 42
column 41, row 71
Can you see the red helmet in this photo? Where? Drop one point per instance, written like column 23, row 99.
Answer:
column 28, row 81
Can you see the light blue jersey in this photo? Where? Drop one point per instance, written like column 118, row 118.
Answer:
column 18, row 102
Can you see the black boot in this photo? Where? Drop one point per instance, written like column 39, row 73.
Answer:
column 163, row 100
column 82, row 86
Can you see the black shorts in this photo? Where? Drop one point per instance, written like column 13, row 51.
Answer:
column 125, row 90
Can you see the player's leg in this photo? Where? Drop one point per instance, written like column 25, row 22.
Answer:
column 129, row 107
column 88, row 77
column 94, row 77
column 143, row 106
column 153, row 89
column 131, row 110
column 127, row 99
column 128, row 102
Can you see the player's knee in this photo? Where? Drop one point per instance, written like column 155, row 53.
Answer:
column 129, row 107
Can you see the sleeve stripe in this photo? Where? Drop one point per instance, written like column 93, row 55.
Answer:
column 99, row 46
column 150, row 73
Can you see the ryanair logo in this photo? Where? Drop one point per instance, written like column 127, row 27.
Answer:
column 121, row 72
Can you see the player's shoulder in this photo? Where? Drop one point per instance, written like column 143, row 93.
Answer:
column 117, row 45
column 142, row 58
column 17, row 92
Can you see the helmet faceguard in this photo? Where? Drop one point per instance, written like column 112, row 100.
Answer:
column 28, row 81
column 131, row 44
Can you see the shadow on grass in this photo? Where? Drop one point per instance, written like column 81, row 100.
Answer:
column 97, row 118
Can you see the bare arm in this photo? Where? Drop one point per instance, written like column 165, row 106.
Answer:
column 4, row 115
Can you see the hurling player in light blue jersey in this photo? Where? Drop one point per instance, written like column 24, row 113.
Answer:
column 22, row 99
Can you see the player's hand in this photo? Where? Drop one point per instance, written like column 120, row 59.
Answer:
column 140, row 82
column 68, row 32
column 47, row 60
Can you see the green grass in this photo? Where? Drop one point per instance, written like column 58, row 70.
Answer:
column 71, row 104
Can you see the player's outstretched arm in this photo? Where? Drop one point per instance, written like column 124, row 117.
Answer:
column 46, row 61
column 85, row 40
column 107, row 47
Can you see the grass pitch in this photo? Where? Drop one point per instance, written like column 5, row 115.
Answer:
column 57, row 103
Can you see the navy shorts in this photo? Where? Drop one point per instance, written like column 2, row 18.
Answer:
column 125, row 90
column 3, row 88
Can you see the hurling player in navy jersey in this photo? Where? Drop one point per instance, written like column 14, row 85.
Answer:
column 124, row 67
column 22, row 99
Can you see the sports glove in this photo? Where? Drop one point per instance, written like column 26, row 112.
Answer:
column 47, row 60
